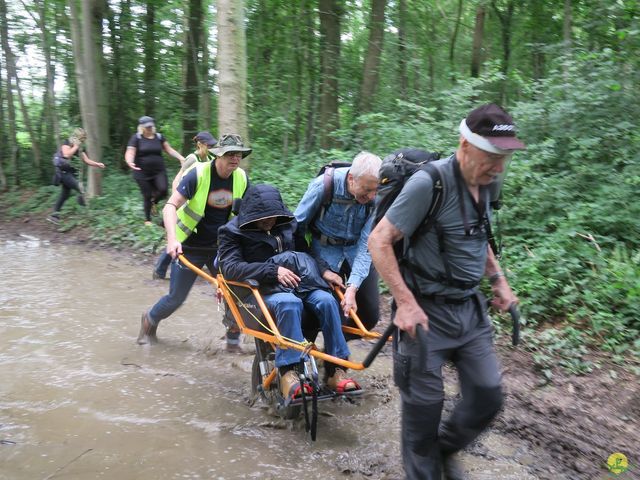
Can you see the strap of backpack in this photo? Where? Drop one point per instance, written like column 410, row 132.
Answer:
column 428, row 223
column 327, row 193
column 327, row 190
column 436, row 203
column 327, row 185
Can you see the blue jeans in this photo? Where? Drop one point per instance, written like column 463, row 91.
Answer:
column 162, row 264
column 287, row 310
column 180, row 284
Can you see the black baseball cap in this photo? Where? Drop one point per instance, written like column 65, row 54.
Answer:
column 146, row 121
column 206, row 138
column 494, row 125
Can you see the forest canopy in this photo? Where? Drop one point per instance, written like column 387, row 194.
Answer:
column 324, row 79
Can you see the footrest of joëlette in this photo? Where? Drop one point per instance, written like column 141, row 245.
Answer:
column 324, row 394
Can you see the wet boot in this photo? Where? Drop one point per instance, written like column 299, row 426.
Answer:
column 147, row 335
column 54, row 218
column 451, row 467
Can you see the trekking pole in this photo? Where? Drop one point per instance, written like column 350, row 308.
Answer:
column 378, row 345
column 422, row 342
column 515, row 317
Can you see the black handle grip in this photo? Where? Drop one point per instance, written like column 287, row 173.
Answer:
column 421, row 333
column 515, row 317
column 371, row 356
column 422, row 342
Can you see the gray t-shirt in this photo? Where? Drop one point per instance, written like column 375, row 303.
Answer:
column 467, row 254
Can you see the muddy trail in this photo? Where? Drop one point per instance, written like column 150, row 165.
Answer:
column 85, row 402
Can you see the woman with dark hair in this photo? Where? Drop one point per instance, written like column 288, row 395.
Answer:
column 144, row 157
column 65, row 175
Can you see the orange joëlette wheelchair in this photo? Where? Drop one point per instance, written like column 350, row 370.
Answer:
column 245, row 308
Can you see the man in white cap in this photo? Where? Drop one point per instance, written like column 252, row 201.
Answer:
column 437, row 288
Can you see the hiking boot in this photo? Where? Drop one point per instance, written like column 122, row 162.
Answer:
column 290, row 385
column 233, row 348
column 53, row 218
column 156, row 276
column 147, row 335
column 451, row 467
column 340, row 382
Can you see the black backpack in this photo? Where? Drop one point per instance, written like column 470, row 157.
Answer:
column 327, row 172
column 396, row 169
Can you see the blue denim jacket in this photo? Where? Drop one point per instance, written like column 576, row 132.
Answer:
column 346, row 221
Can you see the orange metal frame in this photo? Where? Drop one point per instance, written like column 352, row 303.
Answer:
column 276, row 338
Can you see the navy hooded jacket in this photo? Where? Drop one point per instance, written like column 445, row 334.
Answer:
column 247, row 252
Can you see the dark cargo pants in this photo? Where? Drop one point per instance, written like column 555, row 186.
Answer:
column 463, row 334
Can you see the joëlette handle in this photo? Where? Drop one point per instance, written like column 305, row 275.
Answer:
column 515, row 317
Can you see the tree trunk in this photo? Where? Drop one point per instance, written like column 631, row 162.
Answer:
column 372, row 58
column 313, row 67
column 454, row 39
column 232, row 68
column 478, row 35
column 3, row 137
column 97, row 14
column 299, row 74
column 539, row 16
column 191, row 94
column 26, row 118
column 566, row 36
column 505, row 18
column 566, row 25
column 205, row 88
column 122, row 88
column 506, row 24
column 431, row 63
column 12, row 143
column 50, row 113
column 83, row 30
column 402, row 48
column 150, row 60
column 330, row 14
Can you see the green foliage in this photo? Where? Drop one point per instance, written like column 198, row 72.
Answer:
column 565, row 347
column 291, row 175
column 570, row 221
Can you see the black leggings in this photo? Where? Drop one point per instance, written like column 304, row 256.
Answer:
column 153, row 190
column 68, row 182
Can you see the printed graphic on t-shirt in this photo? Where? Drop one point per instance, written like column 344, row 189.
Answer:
column 221, row 199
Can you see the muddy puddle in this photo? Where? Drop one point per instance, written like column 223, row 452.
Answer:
column 80, row 400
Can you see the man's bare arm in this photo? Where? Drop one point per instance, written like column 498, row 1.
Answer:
column 170, row 217
column 381, row 241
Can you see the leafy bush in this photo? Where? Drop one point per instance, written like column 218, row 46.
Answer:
column 570, row 222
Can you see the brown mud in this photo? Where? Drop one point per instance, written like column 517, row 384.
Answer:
column 562, row 429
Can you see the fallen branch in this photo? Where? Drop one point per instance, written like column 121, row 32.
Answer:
column 67, row 464
column 591, row 239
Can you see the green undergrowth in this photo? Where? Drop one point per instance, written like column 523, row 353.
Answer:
column 569, row 223
column 578, row 294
